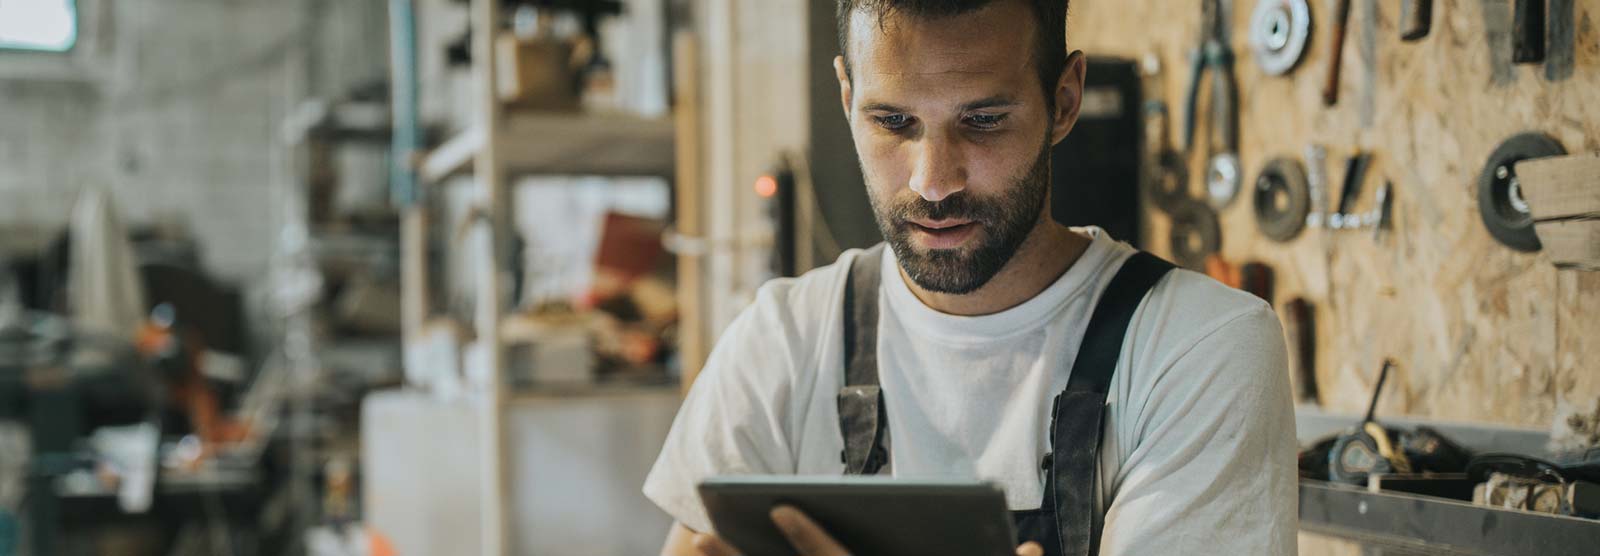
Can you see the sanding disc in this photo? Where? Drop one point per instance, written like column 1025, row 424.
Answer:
column 1500, row 202
column 1282, row 199
column 1279, row 31
column 1195, row 235
column 1167, row 181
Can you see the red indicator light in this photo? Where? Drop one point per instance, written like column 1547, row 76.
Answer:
column 766, row 186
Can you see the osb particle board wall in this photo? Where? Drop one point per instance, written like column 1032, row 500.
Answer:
column 1479, row 332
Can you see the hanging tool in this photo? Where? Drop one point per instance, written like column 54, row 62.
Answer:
column 1317, row 182
column 1163, row 175
column 1166, row 178
column 1527, row 32
column 1279, row 30
column 1223, row 174
column 1341, row 19
column 1416, row 19
column 1378, row 219
column 1355, row 173
column 1282, row 199
column 1504, row 211
column 1196, row 234
column 1300, row 328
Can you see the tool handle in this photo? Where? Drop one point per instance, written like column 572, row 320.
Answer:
column 1527, row 32
column 1330, row 90
column 1192, row 98
column 1416, row 19
column 1355, row 174
column 1377, row 390
column 1224, row 97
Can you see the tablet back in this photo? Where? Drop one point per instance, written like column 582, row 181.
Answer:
column 868, row 515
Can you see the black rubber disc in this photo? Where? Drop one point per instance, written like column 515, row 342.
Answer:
column 1509, row 225
column 1196, row 234
column 1282, row 199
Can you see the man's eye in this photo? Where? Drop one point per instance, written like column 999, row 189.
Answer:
column 985, row 121
column 893, row 121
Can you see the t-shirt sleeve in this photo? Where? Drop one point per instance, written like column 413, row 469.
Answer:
column 1213, row 470
column 733, row 421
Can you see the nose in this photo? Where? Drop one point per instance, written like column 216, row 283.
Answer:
column 940, row 171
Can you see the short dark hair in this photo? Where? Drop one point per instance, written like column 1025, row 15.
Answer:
column 1050, row 28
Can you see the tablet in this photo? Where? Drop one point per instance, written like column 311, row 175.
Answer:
column 868, row 515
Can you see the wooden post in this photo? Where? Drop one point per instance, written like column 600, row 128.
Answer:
column 413, row 272
column 690, row 183
column 490, row 175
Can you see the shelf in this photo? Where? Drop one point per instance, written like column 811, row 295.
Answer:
column 655, row 383
column 1312, row 424
column 557, row 392
column 564, row 144
column 1439, row 525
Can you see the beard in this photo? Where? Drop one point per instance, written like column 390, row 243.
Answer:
column 1005, row 220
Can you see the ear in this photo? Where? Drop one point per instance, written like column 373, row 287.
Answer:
column 844, row 84
column 1069, row 97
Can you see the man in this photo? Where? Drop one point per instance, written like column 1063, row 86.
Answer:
column 985, row 311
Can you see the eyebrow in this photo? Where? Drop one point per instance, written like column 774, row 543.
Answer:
column 991, row 102
column 996, row 101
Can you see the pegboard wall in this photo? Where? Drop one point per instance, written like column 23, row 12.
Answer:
column 1479, row 332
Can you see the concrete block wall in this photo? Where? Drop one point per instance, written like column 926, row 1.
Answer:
column 176, row 107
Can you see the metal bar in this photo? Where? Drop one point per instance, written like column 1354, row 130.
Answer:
column 1439, row 525
column 406, row 135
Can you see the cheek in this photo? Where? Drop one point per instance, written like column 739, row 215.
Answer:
column 999, row 162
column 885, row 163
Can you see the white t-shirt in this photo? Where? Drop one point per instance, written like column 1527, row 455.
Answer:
column 1198, row 454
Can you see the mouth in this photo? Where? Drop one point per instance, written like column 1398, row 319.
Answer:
column 943, row 234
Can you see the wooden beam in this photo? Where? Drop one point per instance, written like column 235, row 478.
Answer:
column 413, row 272
column 692, row 348
column 1561, row 186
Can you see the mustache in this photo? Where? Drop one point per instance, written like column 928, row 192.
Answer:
column 960, row 206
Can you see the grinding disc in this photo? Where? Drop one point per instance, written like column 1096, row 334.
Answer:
column 1500, row 202
column 1167, row 181
column 1195, row 235
column 1282, row 199
column 1279, row 30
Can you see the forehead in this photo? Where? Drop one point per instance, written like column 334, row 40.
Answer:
column 991, row 47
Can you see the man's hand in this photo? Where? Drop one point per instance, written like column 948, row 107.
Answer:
column 805, row 535
column 810, row 540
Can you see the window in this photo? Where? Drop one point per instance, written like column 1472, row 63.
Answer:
column 47, row 25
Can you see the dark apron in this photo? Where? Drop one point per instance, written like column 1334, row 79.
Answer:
column 1066, row 523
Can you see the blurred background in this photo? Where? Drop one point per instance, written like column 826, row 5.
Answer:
column 376, row 277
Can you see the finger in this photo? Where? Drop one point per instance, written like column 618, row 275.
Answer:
column 1030, row 549
column 710, row 545
column 805, row 535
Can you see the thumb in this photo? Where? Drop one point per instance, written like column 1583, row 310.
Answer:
column 1030, row 549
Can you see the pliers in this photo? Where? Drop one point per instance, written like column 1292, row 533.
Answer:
column 1223, row 173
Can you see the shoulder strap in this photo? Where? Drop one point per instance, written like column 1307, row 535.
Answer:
column 1102, row 341
column 1077, row 417
column 861, row 415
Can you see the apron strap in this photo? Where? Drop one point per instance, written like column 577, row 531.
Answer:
column 1076, row 420
column 862, row 420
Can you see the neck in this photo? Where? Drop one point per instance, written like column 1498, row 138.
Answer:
column 1049, row 250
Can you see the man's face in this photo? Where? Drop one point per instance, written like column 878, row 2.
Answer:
column 954, row 135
